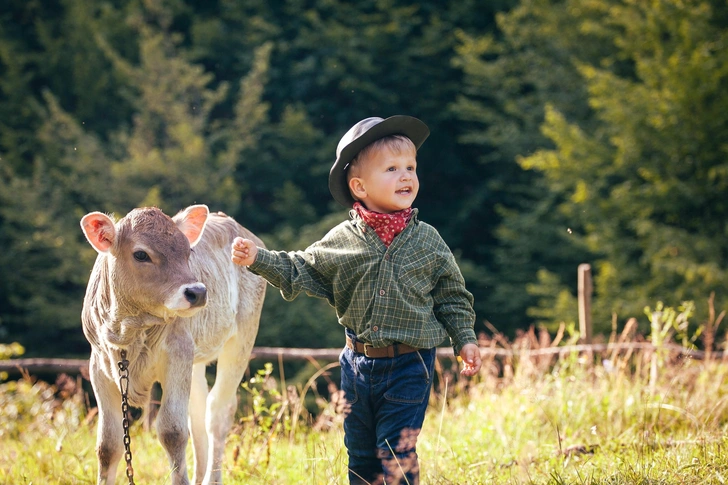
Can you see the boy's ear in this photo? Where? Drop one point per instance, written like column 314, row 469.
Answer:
column 356, row 187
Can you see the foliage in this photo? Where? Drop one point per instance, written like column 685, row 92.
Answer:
column 563, row 132
column 627, row 95
column 555, row 304
column 265, row 400
column 509, row 77
column 8, row 351
column 32, row 407
column 666, row 321
column 237, row 105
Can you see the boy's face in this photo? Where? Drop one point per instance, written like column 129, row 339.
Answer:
column 386, row 181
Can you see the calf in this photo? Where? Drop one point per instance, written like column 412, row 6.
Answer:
column 165, row 291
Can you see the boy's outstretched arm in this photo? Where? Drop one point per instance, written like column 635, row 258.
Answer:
column 243, row 251
column 470, row 353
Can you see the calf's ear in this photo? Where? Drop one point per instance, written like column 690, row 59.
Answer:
column 191, row 221
column 99, row 230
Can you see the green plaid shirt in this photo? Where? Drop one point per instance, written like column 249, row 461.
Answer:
column 412, row 292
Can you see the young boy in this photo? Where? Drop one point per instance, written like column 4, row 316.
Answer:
column 396, row 289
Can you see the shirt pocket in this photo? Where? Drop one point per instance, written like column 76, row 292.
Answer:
column 416, row 277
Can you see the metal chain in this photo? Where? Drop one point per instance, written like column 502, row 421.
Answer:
column 124, row 386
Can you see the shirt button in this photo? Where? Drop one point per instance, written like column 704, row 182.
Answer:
column 382, row 292
column 375, row 328
column 386, row 256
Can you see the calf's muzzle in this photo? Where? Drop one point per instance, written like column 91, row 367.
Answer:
column 196, row 295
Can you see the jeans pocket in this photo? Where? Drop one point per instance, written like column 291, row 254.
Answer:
column 410, row 378
column 348, row 376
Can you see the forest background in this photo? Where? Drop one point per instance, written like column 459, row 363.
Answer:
column 563, row 132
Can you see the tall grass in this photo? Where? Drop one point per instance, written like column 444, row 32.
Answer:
column 622, row 416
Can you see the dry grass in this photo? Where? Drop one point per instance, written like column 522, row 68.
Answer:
column 625, row 415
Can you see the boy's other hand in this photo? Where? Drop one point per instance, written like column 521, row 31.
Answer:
column 243, row 251
column 470, row 353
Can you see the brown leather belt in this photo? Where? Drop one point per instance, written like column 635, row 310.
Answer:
column 379, row 352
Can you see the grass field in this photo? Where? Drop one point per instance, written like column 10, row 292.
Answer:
column 621, row 417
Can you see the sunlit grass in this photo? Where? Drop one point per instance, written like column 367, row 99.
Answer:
column 573, row 420
column 579, row 424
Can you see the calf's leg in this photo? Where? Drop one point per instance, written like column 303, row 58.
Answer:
column 222, row 401
column 198, row 402
column 109, row 431
column 172, row 418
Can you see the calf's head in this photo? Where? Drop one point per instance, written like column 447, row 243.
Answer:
column 147, row 254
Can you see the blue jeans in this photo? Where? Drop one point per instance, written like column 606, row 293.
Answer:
column 388, row 399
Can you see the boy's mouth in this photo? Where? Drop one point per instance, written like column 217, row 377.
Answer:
column 405, row 191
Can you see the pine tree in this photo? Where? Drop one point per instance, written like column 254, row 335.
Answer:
column 171, row 153
column 648, row 186
column 614, row 111
column 509, row 77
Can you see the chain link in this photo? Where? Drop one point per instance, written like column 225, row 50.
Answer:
column 124, row 386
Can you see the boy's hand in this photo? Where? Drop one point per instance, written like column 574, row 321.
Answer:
column 470, row 353
column 244, row 251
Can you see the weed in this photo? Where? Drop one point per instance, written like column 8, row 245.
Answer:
column 633, row 411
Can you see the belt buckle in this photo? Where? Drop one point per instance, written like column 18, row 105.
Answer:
column 366, row 350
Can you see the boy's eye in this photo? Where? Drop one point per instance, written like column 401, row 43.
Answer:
column 391, row 169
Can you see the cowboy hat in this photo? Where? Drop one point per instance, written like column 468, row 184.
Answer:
column 362, row 134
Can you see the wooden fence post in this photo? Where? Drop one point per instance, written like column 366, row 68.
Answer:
column 585, row 294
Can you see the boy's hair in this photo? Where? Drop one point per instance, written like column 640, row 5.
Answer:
column 396, row 143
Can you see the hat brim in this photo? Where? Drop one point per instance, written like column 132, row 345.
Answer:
column 408, row 126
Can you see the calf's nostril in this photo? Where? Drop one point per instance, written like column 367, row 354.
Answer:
column 197, row 296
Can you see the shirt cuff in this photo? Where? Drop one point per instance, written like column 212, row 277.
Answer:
column 263, row 260
column 463, row 338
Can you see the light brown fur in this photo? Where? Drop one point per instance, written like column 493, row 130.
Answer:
column 143, row 307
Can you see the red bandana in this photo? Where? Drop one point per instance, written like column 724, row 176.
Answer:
column 387, row 226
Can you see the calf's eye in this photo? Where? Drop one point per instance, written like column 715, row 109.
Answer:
column 141, row 256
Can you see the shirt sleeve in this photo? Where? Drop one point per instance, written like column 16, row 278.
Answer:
column 294, row 272
column 453, row 305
